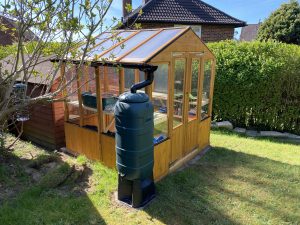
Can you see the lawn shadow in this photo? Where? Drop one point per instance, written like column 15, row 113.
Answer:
column 229, row 187
column 44, row 190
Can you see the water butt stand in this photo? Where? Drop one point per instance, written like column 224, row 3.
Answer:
column 134, row 145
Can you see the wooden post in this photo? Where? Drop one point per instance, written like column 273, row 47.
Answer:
column 187, row 85
column 99, row 108
column 149, row 89
column 63, row 78
column 201, row 80
column 105, row 79
column 136, row 75
column 199, row 94
column 78, row 76
column 99, row 99
column 121, row 81
column 212, row 82
column 186, row 101
column 86, row 77
column 171, row 88
column 170, row 100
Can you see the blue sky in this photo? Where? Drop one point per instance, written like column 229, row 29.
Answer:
column 250, row 11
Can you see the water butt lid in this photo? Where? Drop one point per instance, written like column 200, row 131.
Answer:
column 129, row 97
column 20, row 86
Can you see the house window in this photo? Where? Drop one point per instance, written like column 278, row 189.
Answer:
column 196, row 28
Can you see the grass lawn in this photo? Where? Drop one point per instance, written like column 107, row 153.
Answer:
column 241, row 181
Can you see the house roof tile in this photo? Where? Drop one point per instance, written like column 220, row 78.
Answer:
column 183, row 12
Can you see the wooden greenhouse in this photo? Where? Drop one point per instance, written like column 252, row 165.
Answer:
column 181, row 93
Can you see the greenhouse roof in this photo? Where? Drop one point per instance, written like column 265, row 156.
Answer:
column 132, row 46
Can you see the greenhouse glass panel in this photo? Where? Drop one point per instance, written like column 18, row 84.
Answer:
column 206, row 89
column 129, row 78
column 160, row 102
column 114, row 40
column 193, row 95
column 141, row 77
column 161, row 79
column 179, row 74
column 103, row 37
column 125, row 34
column 128, row 44
column 143, row 52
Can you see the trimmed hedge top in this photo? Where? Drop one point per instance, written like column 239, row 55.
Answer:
column 258, row 85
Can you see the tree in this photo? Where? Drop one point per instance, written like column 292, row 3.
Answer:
column 283, row 24
column 65, row 24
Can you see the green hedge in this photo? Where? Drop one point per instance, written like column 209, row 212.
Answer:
column 258, row 85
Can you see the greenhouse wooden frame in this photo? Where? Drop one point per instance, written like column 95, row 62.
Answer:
column 182, row 94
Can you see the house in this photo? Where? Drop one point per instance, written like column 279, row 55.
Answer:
column 46, row 124
column 208, row 22
column 7, row 36
column 249, row 32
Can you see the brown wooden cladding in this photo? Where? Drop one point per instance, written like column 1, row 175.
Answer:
column 162, row 153
column 84, row 141
column 108, row 150
column 46, row 124
column 192, row 136
column 204, row 131
column 177, row 143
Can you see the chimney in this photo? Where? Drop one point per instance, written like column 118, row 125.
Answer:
column 125, row 3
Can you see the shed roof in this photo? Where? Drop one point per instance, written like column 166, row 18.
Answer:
column 183, row 12
column 43, row 69
column 133, row 46
column 7, row 37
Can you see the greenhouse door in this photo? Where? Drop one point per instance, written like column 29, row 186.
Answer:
column 186, row 71
column 192, row 102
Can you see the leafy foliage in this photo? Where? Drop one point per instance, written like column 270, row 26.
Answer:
column 283, row 24
column 6, row 50
column 258, row 84
column 50, row 48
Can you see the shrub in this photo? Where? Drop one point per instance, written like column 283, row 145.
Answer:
column 258, row 85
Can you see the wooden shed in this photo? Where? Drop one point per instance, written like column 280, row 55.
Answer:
column 46, row 124
column 181, row 93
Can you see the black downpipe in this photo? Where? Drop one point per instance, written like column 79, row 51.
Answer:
column 150, row 77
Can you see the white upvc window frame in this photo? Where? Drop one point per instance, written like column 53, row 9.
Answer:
column 196, row 28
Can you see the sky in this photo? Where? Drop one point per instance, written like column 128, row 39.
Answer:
column 251, row 11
